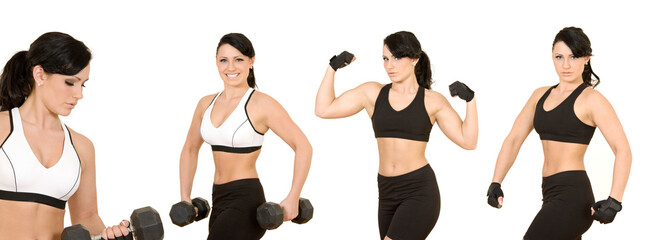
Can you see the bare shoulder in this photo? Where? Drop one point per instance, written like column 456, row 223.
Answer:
column 261, row 100
column 84, row 147
column 206, row 100
column 540, row 91
column 434, row 100
column 5, row 125
column 370, row 89
column 593, row 97
column 371, row 86
column 4, row 118
column 433, row 95
column 80, row 141
column 592, row 94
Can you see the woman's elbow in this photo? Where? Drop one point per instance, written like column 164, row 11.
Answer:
column 306, row 149
column 469, row 146
column 321, row 113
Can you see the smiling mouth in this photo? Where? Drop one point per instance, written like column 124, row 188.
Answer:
column 234, row 75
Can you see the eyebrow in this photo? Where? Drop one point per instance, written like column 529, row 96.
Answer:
column 78, row 78
column 238, row 56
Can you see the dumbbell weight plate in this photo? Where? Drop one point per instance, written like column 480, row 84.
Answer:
column 147, row 224
column 182, row 213
column 75, row 232
column 305, row 211
column 269, row 215
column 203, row 207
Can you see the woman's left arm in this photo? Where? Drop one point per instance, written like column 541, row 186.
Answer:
column 83, row 204
column 278, row 120
column 604, row 116
column 463, row 133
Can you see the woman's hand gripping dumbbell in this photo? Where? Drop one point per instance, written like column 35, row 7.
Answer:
column 270, row 215
column 183, row 213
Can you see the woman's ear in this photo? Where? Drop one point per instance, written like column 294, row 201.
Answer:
column 39, row 75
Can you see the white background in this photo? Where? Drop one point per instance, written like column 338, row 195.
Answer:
column 153, row 61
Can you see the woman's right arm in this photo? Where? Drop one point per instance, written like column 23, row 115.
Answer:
column 190, row 152
column 345, row 105
column 520, row 129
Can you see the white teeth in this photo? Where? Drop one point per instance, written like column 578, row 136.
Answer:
column 232, row 75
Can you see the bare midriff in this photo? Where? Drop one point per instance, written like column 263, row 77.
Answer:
column 562, row 156
column 234, row 166
column 30, row 221
column 399, row 156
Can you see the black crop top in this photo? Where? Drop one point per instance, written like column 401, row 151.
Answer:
column 411, row 122
column 561, row 123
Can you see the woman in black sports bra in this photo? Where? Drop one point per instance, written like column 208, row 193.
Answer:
column 402, row 115
column 565, row 116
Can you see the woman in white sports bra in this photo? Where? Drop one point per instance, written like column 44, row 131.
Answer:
column 43, row 163
column 233, row 122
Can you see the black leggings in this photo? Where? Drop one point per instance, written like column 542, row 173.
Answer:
column 566, row 212
column 409, row 204
column 234, row 206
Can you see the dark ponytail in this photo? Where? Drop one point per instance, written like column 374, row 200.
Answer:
column 405, row 44
column 423, row 71
column 15, row 85
column 243, row 45
column 580, row 46
column 586, row 76
column 55, row 52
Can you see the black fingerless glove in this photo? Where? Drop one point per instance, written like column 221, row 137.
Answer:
column 605, row 210
column 461, row 90
column 341, row 60
column 493, row 194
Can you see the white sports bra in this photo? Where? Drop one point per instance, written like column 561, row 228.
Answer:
column 236, row 134
column 24, row 178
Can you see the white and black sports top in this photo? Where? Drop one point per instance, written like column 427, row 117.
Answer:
column 236, row 134
column 24, row 178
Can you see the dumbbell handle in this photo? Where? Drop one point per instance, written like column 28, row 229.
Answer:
column 99, row 236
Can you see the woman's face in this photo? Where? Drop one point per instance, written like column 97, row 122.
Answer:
column 60, row 93
column 398, row 69
column 568, row 67
column 233, row 65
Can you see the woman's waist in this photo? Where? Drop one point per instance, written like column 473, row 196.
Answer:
column 554, row 165
column 396, row 166
column 29, row 220
column 225, row 176
column 229, row 167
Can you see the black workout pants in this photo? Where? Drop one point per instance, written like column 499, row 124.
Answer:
column 234, row 206
column 566, row 211
column 409, row 204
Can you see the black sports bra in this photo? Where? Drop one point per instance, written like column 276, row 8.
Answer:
column 411, row 122
column 561, row 123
